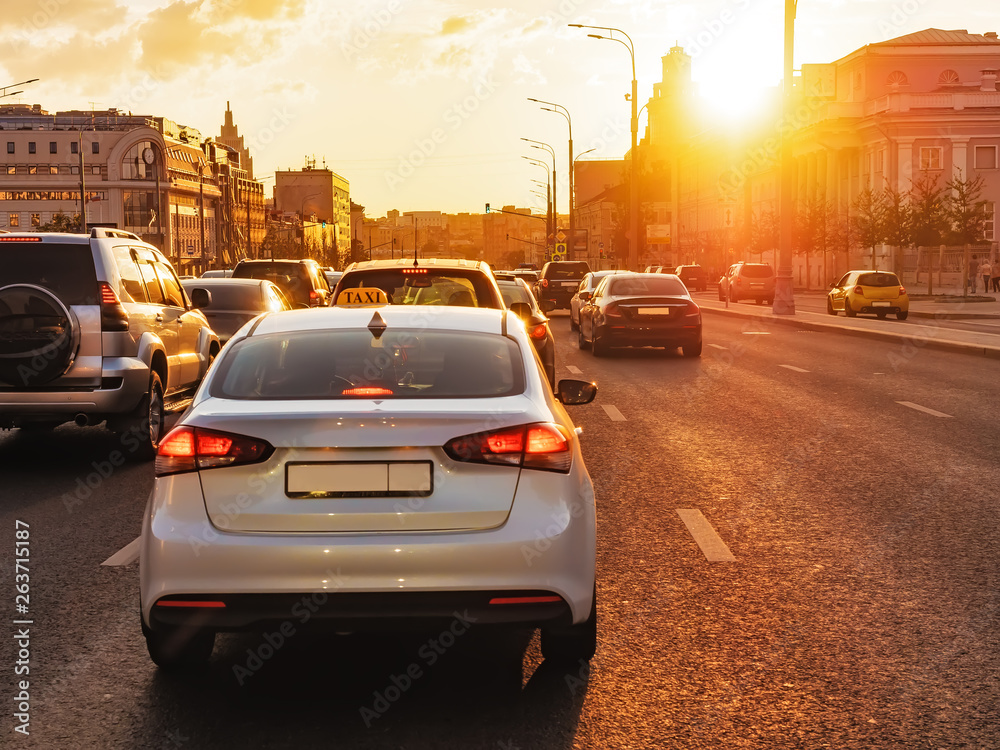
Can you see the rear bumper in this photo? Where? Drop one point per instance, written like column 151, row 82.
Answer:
column 640, row 335
column 557, row 296
column 126, row 378
column 892, row 308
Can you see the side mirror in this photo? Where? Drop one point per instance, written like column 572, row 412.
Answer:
column 547, row 305
column 200, row 298
column 521, row 310
column 833, row 284
column 585, row 296
column 575, row 392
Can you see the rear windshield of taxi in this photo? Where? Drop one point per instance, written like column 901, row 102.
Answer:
column 878, row 279
column 426, row 286
column 567, row 270
column 342, row 364
column 756, row 271
column 66, row 269
column 646, row 286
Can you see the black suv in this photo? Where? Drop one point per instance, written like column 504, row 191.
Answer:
column 301, row 281
column 558, row 282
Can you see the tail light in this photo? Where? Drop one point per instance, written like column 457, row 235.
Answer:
column 612, row 311
column 543, row 446
column 859, row 290
column 692, row 310
column 738, row 281
column 188, row 448
column 315, row 298
column 543, row 283
column 902, row 291
column 113, row 314
column 538, row 332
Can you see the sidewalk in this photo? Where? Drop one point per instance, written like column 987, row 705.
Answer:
column 923, row 328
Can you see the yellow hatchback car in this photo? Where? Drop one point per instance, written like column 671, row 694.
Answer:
column 872, row 292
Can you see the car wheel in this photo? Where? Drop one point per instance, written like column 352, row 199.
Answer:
column 759, row 300
column 721, row 295
column 582, row 342
column 770, row 301
column 733, row 299
column 881, row 314
column 601, row 347
column 177, row 649
column 692, row 350
column 829, row 307
column 849, row 311
column 570, row 645
column 902, row 315
column 573, row 325
column 147, row 420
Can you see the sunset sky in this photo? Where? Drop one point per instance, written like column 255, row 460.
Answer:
column 421, row 104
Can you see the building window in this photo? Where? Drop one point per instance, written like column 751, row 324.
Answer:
column 53, row 170
column 949, row 78
column 53, row 147
column 986, row 157
column 32, row 170
column 880, row 160
column 10, row 147
column 74, row 147
column 11, row 170
column 96, row 170
column 989, row 226
column 74, row 169
column 931, row 157
column 31, row 147
column 36, row 220
column 14, row 220
column 897, row 78
column 95, row 148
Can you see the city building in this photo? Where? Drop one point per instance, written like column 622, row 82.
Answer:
column 322, row 196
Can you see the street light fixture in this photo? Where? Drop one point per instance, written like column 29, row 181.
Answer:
column 634, row 187
column 4, row 92
column 553, row 107
column 555, row 203
column 550, row 215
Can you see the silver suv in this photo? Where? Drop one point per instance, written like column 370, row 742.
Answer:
column 96, row 328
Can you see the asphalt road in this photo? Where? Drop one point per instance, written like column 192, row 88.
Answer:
column 858, row 608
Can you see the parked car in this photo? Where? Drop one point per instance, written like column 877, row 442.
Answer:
column 693, row 276
column 869, row 292
column 236, row 301
column 217, row 273
column 429, row 281
column 96, row 327
column 518, row 298
column 748, row 281
column 638, row 309
column 301, row 281
column 584, row 292
column 401, row 462
column 658, row 269
column 558, row 282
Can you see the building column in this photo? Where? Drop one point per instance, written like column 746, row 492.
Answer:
column 822, row 178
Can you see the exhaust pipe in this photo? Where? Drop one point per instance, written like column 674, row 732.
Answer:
column 81, row 420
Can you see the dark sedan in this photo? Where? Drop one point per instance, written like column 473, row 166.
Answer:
column 645, row 309
column 518, row 298
column 235, row 301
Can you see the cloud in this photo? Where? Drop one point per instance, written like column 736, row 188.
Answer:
column 42, row 17
column 527, row 71
column 455, row 24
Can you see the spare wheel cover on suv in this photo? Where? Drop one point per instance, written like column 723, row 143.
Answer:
column 39, row 336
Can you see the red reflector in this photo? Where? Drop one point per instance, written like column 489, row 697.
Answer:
column 374, row 391
column 525, row 600
column 179, row 444
column 108, row 296
column 207, row 605
column 538, row 332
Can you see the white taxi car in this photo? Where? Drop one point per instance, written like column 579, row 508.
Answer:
column 383, row 464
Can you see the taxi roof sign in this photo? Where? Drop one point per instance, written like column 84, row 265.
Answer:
column 362, row 297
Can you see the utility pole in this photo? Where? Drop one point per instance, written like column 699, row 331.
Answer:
column 83, row 190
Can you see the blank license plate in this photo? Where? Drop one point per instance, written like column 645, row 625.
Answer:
column 881, row 304
column 360, row 479
column 654, row 311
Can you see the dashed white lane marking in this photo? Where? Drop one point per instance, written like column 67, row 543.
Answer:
column 574, row 370
column 756, row 333
column 714, row 549
column 613, row 413
column 127, row 554
column 717, row 346
column 925, row 410
column 793, row 368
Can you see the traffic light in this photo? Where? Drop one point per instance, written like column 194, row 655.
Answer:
column 324, row 224
column 487, row 208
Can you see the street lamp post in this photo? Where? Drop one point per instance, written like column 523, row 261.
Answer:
column 554, row 207
column 553, row 107
column 550, row 216
column 633, row 250
column 784, row 297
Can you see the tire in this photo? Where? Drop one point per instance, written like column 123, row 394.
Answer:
column 581, row 341
column 39, row 336
column 573, row 325
column 600, row 347
column 759, row 300
column 849, row 311
column 881, row 314
column 692, row 350
column 902, row 315
column 829, row 307
column 722, row 297
column 176, row 649
column 570, row 645
column 733, row 299
column 146, row 421
column 770, row 301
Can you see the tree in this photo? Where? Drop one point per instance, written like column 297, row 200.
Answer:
column 898, row 221
column 810, row 230
column 763, row 232
column 868, row 220
column 926, row 204
column 62, row 223
column 966, row 214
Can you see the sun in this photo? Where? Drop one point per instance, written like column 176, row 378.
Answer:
column 734, row 105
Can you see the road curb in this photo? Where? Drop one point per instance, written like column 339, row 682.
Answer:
column 918, row 341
